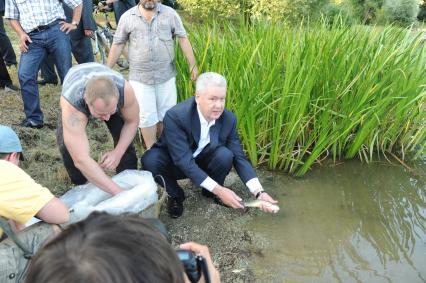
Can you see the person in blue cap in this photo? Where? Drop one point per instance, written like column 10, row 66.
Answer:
column 21, row 198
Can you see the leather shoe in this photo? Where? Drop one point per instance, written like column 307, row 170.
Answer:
column 174, row 207
column 29, row 124
column 44, row 82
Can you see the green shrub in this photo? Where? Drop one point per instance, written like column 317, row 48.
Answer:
column 290, row 10
column 422, row 11
column 338, row 14
column 402, row 12
column 366, row 10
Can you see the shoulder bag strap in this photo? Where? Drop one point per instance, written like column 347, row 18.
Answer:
column 6, row 228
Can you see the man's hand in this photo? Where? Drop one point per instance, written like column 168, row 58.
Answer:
column 269, row 199
column 204, row 252
column 110, row 160
column 88, row 32
column 23, row 38
column 228, row 197
column 67, row 27
column 194, row 72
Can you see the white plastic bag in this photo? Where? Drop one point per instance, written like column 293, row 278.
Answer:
column 141, row 191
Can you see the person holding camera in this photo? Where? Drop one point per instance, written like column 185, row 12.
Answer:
column 114, row 249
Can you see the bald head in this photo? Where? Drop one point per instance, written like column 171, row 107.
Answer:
column 101, row 88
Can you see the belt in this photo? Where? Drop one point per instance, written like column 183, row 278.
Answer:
column 45, row 27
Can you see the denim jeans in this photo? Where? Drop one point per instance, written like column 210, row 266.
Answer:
column 49, row 41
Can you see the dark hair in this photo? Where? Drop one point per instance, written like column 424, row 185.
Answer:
column 107, row 249
column 3, row 155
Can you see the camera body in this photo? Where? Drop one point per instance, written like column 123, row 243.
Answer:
column 193, row 265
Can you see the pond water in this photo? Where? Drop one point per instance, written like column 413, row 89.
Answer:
column 353, row 222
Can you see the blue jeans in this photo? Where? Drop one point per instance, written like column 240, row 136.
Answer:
column 49, row 41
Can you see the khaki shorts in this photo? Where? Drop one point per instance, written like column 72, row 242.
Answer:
column 13, row 264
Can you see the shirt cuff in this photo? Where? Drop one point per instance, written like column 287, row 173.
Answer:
column 209, row 184
column 254, row 186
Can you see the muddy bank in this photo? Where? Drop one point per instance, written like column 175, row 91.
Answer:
column 203, row 221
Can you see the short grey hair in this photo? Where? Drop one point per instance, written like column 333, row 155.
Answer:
column 101, row 87
column 209, row 79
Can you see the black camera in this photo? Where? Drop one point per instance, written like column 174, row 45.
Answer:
column 194, row 266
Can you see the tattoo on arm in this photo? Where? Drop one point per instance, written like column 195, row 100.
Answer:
column 73, row 120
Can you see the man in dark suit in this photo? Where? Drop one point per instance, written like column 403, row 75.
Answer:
column 7, row 52
column 200, row 142
column 81, row 45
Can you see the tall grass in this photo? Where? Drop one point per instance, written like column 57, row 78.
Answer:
column 301, row 94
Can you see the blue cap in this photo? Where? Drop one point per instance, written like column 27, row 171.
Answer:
column 9, row 141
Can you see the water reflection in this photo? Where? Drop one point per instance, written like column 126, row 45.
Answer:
column 348, row 223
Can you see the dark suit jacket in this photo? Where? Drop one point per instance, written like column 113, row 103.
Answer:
column 181, row 135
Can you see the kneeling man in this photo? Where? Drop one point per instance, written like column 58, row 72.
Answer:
column 200, row 142
column 94, row 90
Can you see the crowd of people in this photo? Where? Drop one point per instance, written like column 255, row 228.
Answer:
column 196, row 138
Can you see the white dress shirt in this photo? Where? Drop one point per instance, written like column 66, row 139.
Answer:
column 209, row 184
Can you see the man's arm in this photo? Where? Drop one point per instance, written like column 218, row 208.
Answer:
column 130, row 114
column 23, row 36
column 54, row 212
column 186, row 47
column 67, row 27
column 114, row 53
column 75, row 139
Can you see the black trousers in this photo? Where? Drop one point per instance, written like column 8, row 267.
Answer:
column 6, row 50
column 216, row 164
column 4, row 75
column 114, row 124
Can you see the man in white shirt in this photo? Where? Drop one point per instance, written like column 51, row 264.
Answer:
column 200, row 141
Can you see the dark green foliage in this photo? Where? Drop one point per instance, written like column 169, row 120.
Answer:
column 338, row 14
column 366, row 10
column 422, row 11
column 403, row 12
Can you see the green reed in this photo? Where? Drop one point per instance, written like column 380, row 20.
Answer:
column 301, row 94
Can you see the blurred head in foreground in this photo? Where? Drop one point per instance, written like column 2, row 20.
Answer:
column 107, row 249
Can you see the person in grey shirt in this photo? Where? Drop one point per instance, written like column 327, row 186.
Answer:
column 150, row 29
column 92, row 90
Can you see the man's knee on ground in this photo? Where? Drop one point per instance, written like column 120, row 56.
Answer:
column 150, row 161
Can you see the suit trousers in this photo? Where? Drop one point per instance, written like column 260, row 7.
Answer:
column 114, row 124
column 216, row 163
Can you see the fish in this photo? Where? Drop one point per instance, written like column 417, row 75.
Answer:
column 259, row 203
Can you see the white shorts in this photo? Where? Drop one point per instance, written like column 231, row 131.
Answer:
column 154, row 101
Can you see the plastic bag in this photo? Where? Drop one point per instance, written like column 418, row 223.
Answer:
column 141, row 191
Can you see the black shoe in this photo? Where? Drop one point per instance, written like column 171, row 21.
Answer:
column 44, row 82
column 10, row 88
column 29, row 124
column 174, row 207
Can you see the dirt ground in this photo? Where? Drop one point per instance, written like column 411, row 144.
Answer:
column 203, row 221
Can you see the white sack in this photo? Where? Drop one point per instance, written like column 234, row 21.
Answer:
column 141, row 191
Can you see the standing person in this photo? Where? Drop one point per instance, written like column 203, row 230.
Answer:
column 7, row 52
column 150, row 29
column 120, row 7
column 21, row 197
column 94, row 90
column 81, row 45
column 42, row 29
column 200, row 141
column 7, row 56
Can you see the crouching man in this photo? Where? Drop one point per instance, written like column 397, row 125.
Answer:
column 21, row 198
column 94, row 90
column 200, row 142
